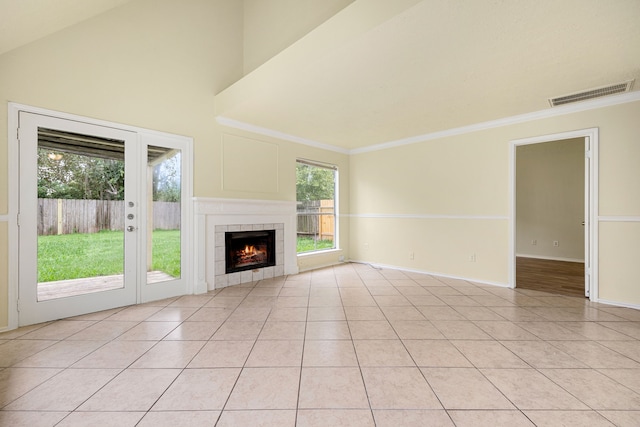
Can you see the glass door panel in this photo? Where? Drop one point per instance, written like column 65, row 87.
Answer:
column 80, row 214
column 164, row 214
column 75, row 253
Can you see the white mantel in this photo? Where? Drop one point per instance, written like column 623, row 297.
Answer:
column 212, row 212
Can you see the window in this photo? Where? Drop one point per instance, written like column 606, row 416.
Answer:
column 316, row 186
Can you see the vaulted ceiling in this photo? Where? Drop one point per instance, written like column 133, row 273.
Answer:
column 24, row 21
column 382, row 71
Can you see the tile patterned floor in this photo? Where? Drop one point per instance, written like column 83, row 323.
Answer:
column 344, row 346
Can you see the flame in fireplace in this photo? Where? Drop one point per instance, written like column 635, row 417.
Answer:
column 249, row 250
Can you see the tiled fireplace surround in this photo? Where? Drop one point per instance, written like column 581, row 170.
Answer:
column 214, row 217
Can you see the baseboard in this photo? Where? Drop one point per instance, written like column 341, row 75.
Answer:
column 431, row 273
column 550, row 258
column 619, row 304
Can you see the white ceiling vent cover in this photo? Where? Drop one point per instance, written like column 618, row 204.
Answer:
column 592, row 93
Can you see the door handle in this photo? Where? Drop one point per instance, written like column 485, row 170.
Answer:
column 582, row 222
column 131, row 228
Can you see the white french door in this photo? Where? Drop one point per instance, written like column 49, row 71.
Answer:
column 87, row 236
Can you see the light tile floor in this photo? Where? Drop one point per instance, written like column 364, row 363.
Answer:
column 344, row 346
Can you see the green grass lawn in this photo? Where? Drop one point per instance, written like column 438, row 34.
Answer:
column 307, row 244
column 73, row 256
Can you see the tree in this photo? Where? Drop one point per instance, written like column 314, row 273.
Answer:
column 314, row 183
column 75, row 176
column 166, row 179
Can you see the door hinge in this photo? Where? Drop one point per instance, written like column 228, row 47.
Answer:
column 587, row 154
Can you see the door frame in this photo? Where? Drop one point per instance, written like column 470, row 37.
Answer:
column 14, row 188
column 591, row 203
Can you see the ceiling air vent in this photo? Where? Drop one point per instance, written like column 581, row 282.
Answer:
column 592, row 93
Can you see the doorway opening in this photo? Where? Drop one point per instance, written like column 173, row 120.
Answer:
column 553, row 184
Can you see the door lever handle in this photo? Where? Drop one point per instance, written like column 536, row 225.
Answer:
column 131, row 228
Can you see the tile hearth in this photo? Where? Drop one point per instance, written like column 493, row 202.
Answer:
column 223, row 279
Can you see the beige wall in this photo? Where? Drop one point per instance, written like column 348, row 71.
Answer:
column 273, row 25
column 550, row 199
column 154, row 64
column 419, row 198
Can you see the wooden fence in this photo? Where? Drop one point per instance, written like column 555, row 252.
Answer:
column 316, row 218
column 67, row 216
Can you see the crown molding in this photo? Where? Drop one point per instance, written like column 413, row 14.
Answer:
column 492, row 124
column 224, row 121
column 507, row 121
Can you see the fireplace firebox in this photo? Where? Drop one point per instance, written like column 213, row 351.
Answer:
column 247, row 250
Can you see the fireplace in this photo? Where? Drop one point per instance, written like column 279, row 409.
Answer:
column 248, row 250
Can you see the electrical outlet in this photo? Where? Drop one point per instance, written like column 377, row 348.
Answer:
column 556, row 243
column 411, row 255
column 472, row 258
column 366, row 246
column 534, row 242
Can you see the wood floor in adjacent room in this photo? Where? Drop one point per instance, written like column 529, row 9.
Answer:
column 559, row 277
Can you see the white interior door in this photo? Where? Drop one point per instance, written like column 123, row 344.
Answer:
column 87, row 259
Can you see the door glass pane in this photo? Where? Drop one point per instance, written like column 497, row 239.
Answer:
column 80, row 214
column 164, row 171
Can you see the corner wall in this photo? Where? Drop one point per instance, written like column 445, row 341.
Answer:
column 446, row 201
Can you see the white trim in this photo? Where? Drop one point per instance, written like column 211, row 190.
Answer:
column 84, row 119
column 13, row 176
column 507, row 121
column 236, row 124
column 13, row 187
column 593, row 202
column 319, row 252
column 430, row 273
column 612, row 218
column 619, row 304
column 492, row 124
column 550, row 258
column 427, row 216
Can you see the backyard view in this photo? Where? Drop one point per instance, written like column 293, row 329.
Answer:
column 81, row 224
column 315, row 195
column 74, row 256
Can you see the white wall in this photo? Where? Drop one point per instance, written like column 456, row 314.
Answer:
column 550, row 200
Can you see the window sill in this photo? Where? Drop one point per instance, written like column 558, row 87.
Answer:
column 320, row 252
